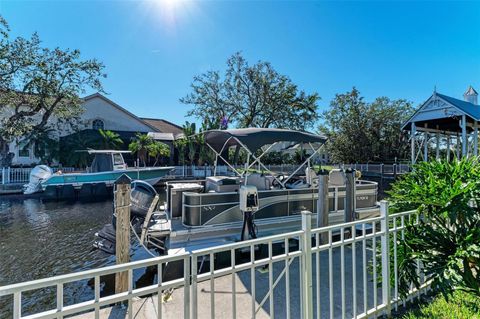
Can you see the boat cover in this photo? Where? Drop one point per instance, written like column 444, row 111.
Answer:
column 255, row 138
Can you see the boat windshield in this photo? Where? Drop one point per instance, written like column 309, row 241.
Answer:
column 102, row 163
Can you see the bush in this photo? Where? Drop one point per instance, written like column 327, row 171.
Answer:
column 446, row 239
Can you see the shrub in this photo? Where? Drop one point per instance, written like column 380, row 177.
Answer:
column 446, row 239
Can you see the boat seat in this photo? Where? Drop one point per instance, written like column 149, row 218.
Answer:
column 222, row 184
column 260, row 181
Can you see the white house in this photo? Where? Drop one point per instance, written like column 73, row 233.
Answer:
column 100, row 113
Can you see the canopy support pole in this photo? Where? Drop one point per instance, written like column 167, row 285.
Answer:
column 475, row 138
column 448, row 148
column 437, row 153
column 458, row 146
column 464, row 135
column 425, row 148
column 412, row 141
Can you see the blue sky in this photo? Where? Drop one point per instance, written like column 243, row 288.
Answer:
column 153, row 49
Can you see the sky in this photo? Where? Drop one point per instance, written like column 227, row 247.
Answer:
column 153, row 49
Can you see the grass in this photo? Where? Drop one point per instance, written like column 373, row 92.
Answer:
column 459, row 306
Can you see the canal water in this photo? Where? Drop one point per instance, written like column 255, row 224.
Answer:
column 42, row 239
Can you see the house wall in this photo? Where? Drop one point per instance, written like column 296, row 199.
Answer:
column 113, row 118
column 96, row 107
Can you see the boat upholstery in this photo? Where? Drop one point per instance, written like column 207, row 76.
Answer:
column 222, row 184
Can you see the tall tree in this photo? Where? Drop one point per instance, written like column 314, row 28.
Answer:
column 251, row 96
column 40, row 87
column 359, row 131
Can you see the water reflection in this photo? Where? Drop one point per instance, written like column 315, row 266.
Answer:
column 39, row 240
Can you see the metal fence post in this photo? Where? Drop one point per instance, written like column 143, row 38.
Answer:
column 193, row 287
column 386, row 293
column 3, row 175
column 307, row 289
column 8, row 175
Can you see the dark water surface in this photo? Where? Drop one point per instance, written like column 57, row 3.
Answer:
column 43, row 239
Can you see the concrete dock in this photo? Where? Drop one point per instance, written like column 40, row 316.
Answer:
column 148, row 307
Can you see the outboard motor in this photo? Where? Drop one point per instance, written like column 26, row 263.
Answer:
column 141, row 197
column 38, row 174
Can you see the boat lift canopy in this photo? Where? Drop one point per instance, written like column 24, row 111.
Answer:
column 253, row 139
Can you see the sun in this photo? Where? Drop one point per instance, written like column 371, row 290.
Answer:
column 171, row 11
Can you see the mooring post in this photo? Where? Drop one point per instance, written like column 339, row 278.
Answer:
column 122, row 212
column 349, row 195
column 322, row 204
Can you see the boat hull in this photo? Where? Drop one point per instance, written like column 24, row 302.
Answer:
column 150, row 175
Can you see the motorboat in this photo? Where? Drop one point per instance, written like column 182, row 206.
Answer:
column 107, row 166
column 206, row 212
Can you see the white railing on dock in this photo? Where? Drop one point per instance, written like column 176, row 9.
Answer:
column 334, row 271
column 17, row 175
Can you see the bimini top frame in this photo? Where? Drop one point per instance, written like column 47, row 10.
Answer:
column 253, row 139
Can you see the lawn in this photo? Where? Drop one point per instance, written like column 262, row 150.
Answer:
column 459, row 306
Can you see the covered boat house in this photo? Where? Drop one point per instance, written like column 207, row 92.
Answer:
column 445, row 123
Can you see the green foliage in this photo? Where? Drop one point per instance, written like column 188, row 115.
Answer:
column 38, row 83
column 192, row 146
column 458, row 306
column 358, row 131
column 158, row 150
column 45, row 146
column 250, row 96
column 446, row 238
column 181, row 146
column 139, row 145
column 72, row 148
column 109, row 140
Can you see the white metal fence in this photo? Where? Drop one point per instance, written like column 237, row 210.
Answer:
column 17, row 175
column 380, row 169
column 338, row 271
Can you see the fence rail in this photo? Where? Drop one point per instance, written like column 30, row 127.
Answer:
column 335, row 271
column 379, row 169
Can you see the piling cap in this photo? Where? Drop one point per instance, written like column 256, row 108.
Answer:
column 124, row 179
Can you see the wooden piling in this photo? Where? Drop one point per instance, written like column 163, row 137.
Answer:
column 122, row 212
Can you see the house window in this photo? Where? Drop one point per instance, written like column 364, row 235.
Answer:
column 24, row 151
column 98, row 124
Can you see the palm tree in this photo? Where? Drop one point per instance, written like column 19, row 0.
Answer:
column 110, row 140
column 189, row 129
column 158, row 150
column 140, row 145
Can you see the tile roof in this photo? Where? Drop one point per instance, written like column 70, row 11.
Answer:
column 163, row 126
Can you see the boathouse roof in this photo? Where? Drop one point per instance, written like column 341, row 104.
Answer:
column 443, row 112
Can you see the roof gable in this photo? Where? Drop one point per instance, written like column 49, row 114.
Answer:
column 440, row 106
column 115, row 105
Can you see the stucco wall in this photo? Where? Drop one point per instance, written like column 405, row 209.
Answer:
column 113, row 118
column 96, row 107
